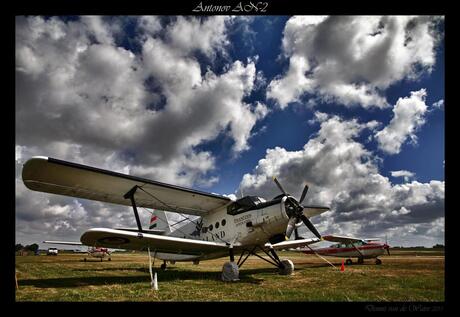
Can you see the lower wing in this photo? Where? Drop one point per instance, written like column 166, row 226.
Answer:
column 120, row 239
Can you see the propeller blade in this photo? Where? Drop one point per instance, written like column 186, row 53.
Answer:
column 304, row 193
column 310, row 226
column 279, row 185
column 290, row 226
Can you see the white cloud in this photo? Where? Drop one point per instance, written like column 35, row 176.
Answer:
column 405, row 174
column 342, row 174
column 439, row 104
column 352, row 60
column 80, row 97
column 207, row 35
column 408, row 118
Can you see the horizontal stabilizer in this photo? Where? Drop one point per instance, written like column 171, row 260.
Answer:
column 293, row 243
column 311, row 211
column 63, row 242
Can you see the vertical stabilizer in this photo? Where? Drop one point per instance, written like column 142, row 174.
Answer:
column 159, row 221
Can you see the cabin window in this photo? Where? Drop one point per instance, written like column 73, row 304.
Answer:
column 217, row 224
column 210, row 227
column 223, row 222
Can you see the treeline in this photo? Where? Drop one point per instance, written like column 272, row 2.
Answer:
column 436, row 246
column 31, row 247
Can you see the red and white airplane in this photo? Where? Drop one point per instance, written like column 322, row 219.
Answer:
column 95, row 252
column 348, row 247
column 223, row 227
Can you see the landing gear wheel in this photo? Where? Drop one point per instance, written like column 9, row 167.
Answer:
column 230, row 272
column 378, row 261
column 110, row 259
column 163, row 266
column 348, row 262
column 288, row 267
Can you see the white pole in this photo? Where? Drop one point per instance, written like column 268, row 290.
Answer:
column 154, row 282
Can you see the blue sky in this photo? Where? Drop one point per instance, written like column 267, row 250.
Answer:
column 290, row 129
column 222, row 104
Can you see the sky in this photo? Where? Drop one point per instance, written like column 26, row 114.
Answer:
column 351, row 105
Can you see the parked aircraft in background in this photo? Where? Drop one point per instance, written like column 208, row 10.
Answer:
column 348, row 247
column 96, row 252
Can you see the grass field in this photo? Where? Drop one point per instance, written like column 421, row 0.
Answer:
column 401, row 277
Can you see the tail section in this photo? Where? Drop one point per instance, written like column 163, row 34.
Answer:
column 159, row 221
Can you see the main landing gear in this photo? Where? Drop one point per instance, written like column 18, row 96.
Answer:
column 230, row 270
column 163, row 266
column 350, row 262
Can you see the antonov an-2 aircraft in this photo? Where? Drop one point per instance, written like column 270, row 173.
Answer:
column 223, row 228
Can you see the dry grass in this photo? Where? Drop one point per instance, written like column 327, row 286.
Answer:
column 126, row 278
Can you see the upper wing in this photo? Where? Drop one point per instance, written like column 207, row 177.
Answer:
column 70, row 179
column 341, row 239
column 294, row 243
column 119, row 239
column 311, row 211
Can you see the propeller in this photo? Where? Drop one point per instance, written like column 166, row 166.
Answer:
column 294, row 210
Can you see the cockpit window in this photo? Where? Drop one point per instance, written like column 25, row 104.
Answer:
column 244, row 204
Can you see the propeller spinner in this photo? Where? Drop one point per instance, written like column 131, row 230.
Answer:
column 294, row 211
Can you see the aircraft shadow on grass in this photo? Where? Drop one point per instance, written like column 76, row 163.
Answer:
column 163, row 276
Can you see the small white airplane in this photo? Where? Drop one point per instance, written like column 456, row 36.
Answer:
column 95, row 252
column 223, row 227
column 348, row 247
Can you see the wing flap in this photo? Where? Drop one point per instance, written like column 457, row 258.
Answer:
column 118, row 239
column 70, row 179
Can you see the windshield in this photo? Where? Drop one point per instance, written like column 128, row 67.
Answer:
column 244, row 204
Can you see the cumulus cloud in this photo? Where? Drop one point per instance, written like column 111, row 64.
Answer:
column 408, row 118
column 351, row 60
column 75, row 86
column 405, row 174
column 84, row 96
column 344, row 175
column 439, row 104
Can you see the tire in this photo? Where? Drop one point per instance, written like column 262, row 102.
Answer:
column 348, row 262
column 163, row 267
column 288, row 267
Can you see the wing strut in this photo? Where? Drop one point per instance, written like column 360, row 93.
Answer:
column 130, row 195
